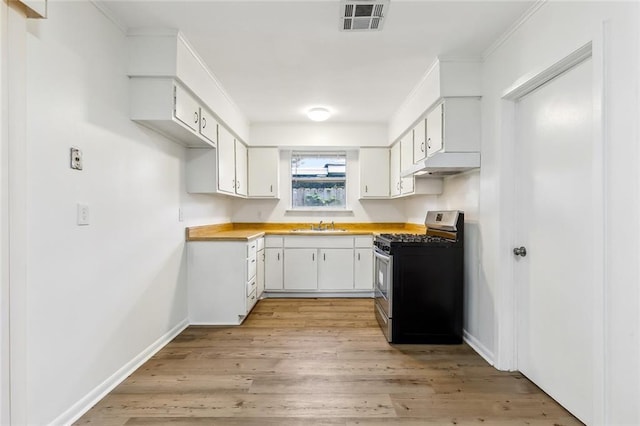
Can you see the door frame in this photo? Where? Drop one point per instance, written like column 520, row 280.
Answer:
column 506, row 331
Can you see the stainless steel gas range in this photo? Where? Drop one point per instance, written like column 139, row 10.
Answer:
column 419, row 281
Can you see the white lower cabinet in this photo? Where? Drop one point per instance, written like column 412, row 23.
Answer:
column 301, row 269
column 273, row 269
column 318, row 264
column 363, row 263
column 273, row 263
column 221, row 281
column 260, row 257
column 363, row 269
column 335, row 269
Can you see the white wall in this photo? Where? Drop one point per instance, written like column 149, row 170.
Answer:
column 98, row 295
column 326, row 134
column 554, row 31
column 4, row 219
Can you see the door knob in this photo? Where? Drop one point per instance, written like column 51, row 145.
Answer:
column 520, row 251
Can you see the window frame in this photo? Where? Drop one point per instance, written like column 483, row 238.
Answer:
column 310, row 153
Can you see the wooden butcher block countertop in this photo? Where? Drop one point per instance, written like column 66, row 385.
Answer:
column 250, row 231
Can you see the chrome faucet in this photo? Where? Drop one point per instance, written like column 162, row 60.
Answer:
column 319, row 227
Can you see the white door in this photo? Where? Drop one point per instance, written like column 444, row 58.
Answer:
column 301, row 269
column 226, row 161
column 555, row 210
column 394, row 170
column 263, row 171
column 434, row 130
column 363, row 269
column 273, row 269
column 260, row 273
column 335, row 269
column 406, row 161
column 374, row 172
column 420, row 141
column 241, row 168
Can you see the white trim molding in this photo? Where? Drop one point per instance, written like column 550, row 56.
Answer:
column 477, row 346
column 513, row 28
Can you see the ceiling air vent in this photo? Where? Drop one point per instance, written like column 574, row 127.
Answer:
column 362, row 15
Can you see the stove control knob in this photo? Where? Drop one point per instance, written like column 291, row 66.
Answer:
column 520, row 251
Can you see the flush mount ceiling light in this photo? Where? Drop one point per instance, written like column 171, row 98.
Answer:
column 318, row 114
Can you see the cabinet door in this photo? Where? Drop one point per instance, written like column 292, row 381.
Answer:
column 241, row 168
column 263, row 172
column 434, row 130
column 226, row 161
column 363, row 269
column 208, row 126
column 420, row 141
column 374, row 172
column 335, row 269
column 406, row 161
column 394, row 170
column 273, row 268
column 260, row 273
column 186, row 108
column 300, row 269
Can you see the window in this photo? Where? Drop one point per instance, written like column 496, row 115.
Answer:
column 318, row 180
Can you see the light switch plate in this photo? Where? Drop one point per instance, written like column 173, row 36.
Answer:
column 76, row 158
column 83, row 214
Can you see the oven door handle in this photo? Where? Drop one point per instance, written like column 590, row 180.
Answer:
column 383, row 257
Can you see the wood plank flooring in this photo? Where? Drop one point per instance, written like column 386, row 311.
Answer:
column 319, row 362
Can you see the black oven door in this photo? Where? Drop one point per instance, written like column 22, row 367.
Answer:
column 383, row 277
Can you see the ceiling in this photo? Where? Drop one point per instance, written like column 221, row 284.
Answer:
column 276, row 59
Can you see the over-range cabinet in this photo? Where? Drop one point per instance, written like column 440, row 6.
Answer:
column 419, row 281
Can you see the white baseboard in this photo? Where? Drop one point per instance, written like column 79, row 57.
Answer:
column 82, row 406
column 317, row 295
column 478, row 347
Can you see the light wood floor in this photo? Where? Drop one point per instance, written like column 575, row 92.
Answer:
column 319, row 362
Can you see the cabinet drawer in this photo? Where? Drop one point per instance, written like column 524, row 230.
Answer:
column 252, row 266
column 260, row 244
column 252, row 248
column 364, row 242
column 251, row 300
column 251, row 286
column 273, row 242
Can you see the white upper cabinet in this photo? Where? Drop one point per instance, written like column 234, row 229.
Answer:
column 434, row 130
column 394, row 170
column 374, row 173
column 208, row 126
column 164, row 105
column 226, row 162
column 167, row 55
column 241, row 168
column 406, row 160
column 219, row 171
column 186, row 108
column 263, row 172
column 420, row 141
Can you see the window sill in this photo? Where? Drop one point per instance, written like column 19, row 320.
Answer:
column 346, row 211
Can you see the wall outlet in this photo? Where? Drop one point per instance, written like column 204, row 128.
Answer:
column 76, row 158
column 83, row 214
column 180, row 215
